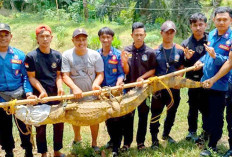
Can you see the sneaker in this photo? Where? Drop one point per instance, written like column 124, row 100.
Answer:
column 208, row 152
column 192, row 136
column 96, row 149
column 124, row 148
column 155, row 145
column 228, row 153
column 202, row 138
column 169, row 139
column 114, row 154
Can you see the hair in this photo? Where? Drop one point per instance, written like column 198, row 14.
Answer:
column 106, row 30
column 223, row 10
column 137, row 25
column 197, row 17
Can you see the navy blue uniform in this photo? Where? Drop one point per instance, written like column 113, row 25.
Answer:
column 13, row 75
column 167, row 61
column 195, row 94
column 112, row 71
column 140, row 61
column 215, row 97
column 45, row 67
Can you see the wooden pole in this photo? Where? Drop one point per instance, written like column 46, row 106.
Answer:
column 71, row 96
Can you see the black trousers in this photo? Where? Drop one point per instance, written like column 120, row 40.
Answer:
column 6, row 135
column 214, row 116
column 143, row 111
column 195, row 105
column 229, row 114
column 127, row 128
column 162, row 99
column 57, row 137
column 114, row 128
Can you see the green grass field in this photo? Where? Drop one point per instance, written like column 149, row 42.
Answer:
column 23, row 28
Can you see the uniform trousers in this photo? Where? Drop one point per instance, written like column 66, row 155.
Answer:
column 162, row 99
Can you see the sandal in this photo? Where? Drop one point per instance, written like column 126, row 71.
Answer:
column 124, row 148
column 141, row 146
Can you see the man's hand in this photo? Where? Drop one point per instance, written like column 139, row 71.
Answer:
column 140, row 80
column 121, row 84
column 32, row 97
column 60, row 92
column 211, row 51
column 43, row 95
column 188, row 53
column 208, row 83
column 96, row 87
column 124, row 56
column 198, row 65
column 77, row 93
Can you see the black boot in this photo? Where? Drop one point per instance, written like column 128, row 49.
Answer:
column 28, row 153
column 9, row 154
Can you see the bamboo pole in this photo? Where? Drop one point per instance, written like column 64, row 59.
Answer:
column 89, row 93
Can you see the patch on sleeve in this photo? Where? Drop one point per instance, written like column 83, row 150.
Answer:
column 224, row 47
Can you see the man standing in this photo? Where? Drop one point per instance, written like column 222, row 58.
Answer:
column 170, row 58
column 113, row 76
column 14, row 84
column 82, row 71
column 43, row 67
column 218, row 48
column 139, row 63
column 194, row 50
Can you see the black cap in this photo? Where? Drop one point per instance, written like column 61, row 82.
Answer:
column 167, row 25
column 4, row 27
column 79, row 31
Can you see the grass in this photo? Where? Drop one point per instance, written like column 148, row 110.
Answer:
column 23, row 28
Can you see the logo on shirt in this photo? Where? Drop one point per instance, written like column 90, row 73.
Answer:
column 129, row 55
column 144, row 57
column 113, row 60
column 26, row 65
column 16, row 61
column 16, row 72
column 224, row 47
column 199, row 49
column 54, row 65
column 208, row 43
column 177, row 57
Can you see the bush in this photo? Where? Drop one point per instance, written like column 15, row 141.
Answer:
column 61, row 34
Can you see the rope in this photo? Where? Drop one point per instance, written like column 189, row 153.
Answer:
column 154, row 80
column 11, row 108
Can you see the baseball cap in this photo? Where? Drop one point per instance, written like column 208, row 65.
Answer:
column 4, row 27
column 42, row 28
column 79, row 31
column 167, row 25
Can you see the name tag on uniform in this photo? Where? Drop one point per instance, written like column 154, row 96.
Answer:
column 16, row 61
column 224, row 47
column 113, row 60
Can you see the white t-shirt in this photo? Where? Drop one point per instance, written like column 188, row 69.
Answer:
column 82, row 68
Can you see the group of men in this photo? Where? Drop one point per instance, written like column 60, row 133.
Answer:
column 41, row 73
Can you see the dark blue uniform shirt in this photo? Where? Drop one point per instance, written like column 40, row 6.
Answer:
column 112, row 67
column 221, row 45
column 199, row 48
column 13, row 73
column 168, row 60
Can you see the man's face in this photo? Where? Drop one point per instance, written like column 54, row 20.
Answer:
column 5, row 38
column 222, row 21
column 106, row 40
column 198, row 28
column 80, row 42
column 168, row 36
column 44, row 39
column 138, row 36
